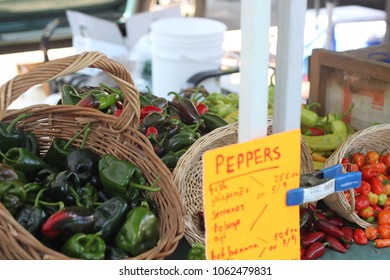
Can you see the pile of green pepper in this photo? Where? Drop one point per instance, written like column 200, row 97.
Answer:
column 74, row 200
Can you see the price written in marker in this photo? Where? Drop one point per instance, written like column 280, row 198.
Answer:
column 244, row 188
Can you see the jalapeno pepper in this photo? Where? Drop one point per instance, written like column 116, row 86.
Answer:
column 62, row 187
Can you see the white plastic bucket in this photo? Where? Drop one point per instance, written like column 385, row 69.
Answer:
column 182, row 47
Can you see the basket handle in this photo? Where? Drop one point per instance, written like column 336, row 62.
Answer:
column 51, row 70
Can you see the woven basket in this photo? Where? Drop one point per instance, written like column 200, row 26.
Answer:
column 114, row 135
column 188, row 174
column 375, row 138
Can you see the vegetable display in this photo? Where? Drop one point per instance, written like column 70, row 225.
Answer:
column 76, row 201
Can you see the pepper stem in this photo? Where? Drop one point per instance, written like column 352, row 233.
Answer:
column 12, row 125
column 75, row 196
column 177, row 95
column 90, row 242
column 151, row 188
column 7, row 158
column 66, row 146
column 87, row 132
column 37, row 202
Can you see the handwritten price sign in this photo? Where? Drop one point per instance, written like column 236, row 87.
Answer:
column 245, row 185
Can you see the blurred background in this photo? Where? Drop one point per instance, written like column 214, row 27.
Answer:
column 35, row 31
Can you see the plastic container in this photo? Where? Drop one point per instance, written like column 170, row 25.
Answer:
column 182, row 47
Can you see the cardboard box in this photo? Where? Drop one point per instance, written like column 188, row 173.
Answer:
column 361, row 77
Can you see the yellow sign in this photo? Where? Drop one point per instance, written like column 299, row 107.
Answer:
column 245, row 186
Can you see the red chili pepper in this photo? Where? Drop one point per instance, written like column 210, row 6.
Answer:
column 372, row 170
column 314, row 251
column 303, row 252
column 352, row 167
column 146, row 110
column 359, row 159
column 312, row 237
column 377, row 185
column 335, row 244
column 328, row 228
column 119, row 104
column 348, row 234
column 361, row 202
column 314, row 131
column 360, row 237
column 345, row 162
column 385, row 159
column 117, row 112
column 202, row 108
column 337, row 221
column 151, row 130
column 364, row 188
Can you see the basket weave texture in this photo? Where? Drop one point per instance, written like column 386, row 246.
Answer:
column 376, row 138
column 109, row 134
column 188, row 174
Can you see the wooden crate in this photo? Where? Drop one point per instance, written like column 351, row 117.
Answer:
column 338, row 79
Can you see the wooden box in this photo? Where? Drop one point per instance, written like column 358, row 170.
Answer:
column 361, row 77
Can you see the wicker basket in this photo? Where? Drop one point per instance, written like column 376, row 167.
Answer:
column 375, row 138
column 109, row 134
column 188, row 174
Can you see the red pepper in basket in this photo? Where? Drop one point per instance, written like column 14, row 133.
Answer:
column 202, row 108
column 146, row 110
column 372, row 170
column 314, row 131
column 117, row 112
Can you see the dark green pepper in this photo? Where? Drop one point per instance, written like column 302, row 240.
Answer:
column 88, row 195
column 25, row 161
column 85, row 246
column 197, row 252
column 12, row 195
column 69, row 95
column 109, row 216
column 62, row 186
column 179, row 142
column 117, row 175
column 84, row 162
column 213, row 121
column 10, row 136
column 115, row 253
column 139, row 233
column 31, row 218
column 60, row 148
column 170, row 159
column 154, row 119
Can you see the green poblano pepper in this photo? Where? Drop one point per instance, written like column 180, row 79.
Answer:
column 89, row 246
column 139, row 233
column 12, row 195
column 118, row 177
